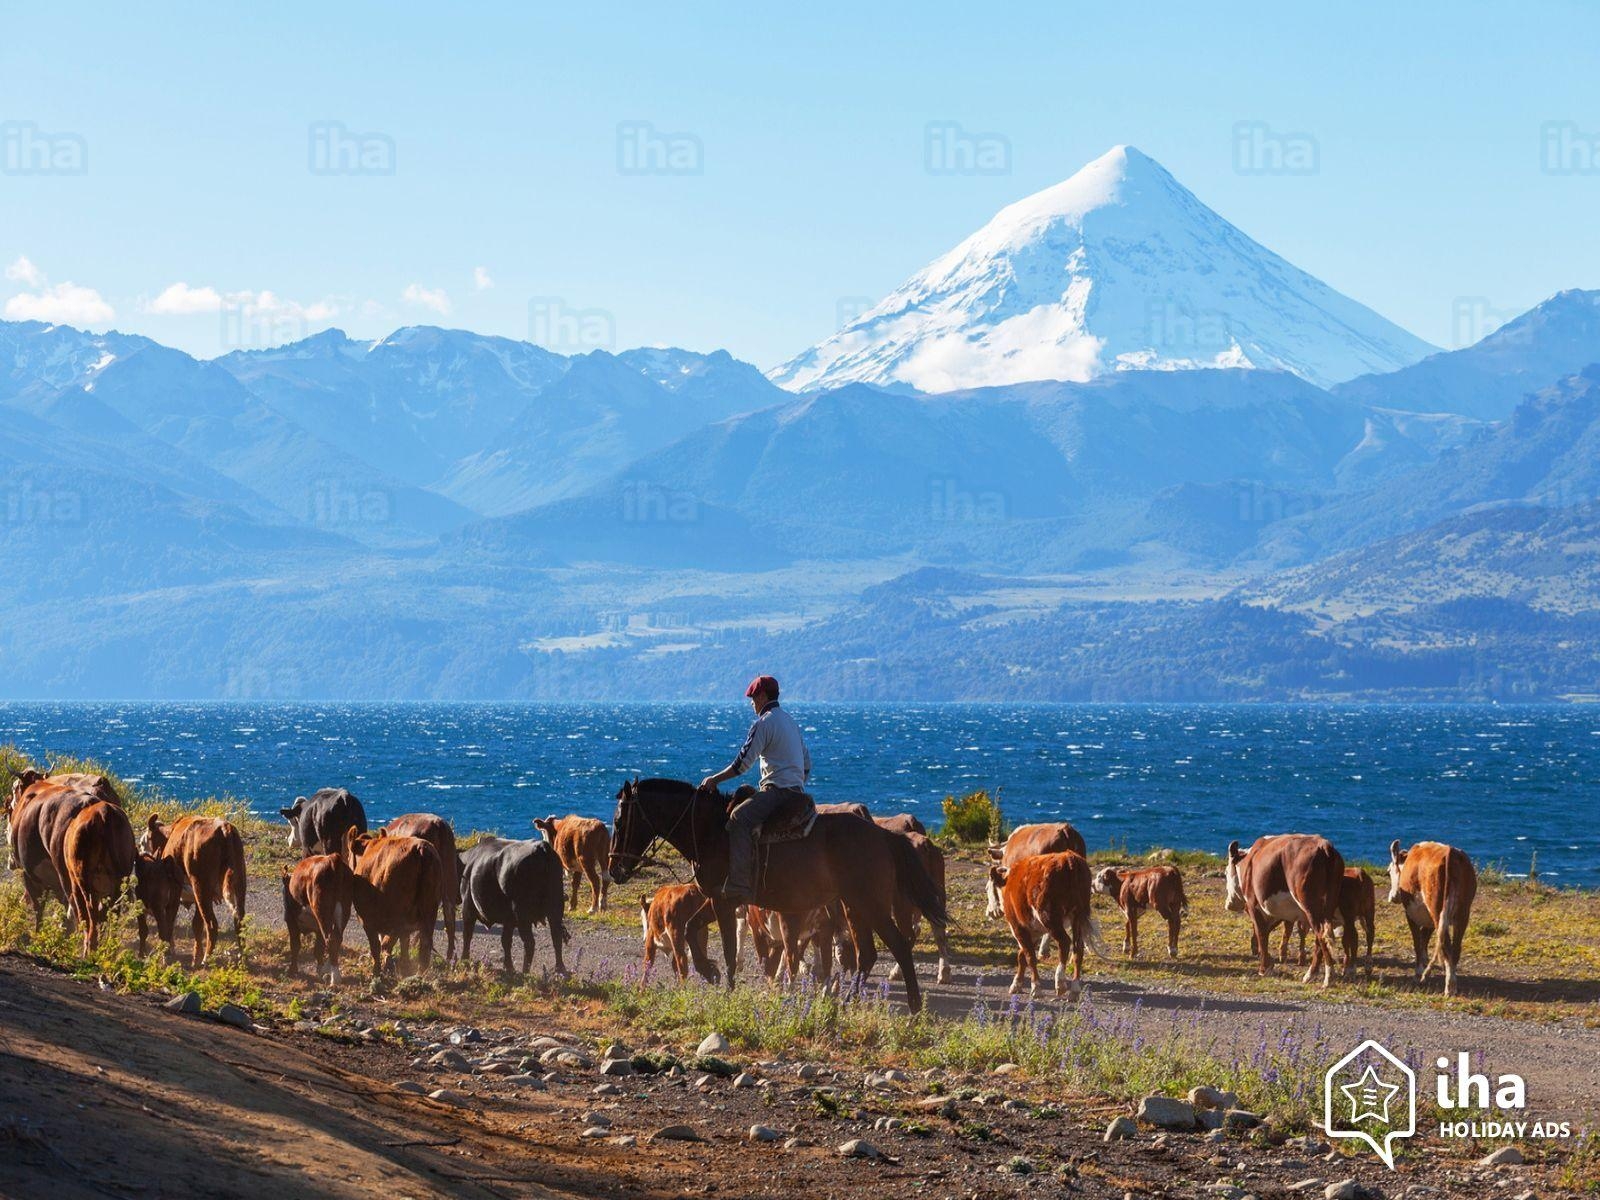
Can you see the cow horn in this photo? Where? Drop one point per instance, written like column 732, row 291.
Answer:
column 1394, row 850
column 1233, row 851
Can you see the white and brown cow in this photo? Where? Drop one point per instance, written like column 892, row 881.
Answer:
column 1048, row 894
column 1054, row 837
column 1436, row 883
column 1290, row 877
column 1135, row 890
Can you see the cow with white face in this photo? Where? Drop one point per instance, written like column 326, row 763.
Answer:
column 317, row 823
column 1052, row 837
column 1436, row 884
column 1293, row 878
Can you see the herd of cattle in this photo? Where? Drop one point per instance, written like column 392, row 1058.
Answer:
column 71, row 839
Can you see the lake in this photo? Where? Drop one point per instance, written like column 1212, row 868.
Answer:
column 1503, row 783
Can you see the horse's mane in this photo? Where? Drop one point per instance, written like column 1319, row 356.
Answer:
column 666, row 785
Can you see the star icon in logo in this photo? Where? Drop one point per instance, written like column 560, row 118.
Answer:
column 1369, row 1097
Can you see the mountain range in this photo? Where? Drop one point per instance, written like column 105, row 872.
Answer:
column 1304, row 501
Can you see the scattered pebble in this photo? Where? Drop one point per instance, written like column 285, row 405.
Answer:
column 714, row 1043
column 763, row 1133
column 448, row 1096
column 1505, row 1156
column 676, row 1133
column 1121, row 1129
column 860, row 1148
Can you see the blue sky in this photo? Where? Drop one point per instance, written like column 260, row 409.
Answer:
column 1455, row 154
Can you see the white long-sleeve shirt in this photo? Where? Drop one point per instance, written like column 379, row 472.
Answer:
column 776, row 740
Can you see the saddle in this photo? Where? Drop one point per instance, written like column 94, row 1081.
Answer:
column 789, row 824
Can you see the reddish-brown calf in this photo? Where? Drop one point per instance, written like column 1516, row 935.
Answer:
column 583, row 846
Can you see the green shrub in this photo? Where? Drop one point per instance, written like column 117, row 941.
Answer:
column 974, row 819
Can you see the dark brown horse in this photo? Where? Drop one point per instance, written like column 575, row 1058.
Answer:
column 844, row 857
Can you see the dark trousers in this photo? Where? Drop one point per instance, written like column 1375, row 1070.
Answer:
column 743, row 824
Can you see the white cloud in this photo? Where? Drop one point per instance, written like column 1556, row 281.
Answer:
column 24, row 272
column 481, row 280
column 181, row 300
column 59, row 304
column 430, row 298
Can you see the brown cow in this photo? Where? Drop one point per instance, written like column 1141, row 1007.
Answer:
column 1288, row 877
column 436, row 832
column 1134, row 890
column 583, row 846
column 780, row 941
column 38, row 813
column 97, row 855
column 318, row 898
column 1436, row 883
column 397, row 881
column 210, row 854
column 677, row 919
column 1054, row 837
column 1357, row 912
column 1048, row 894
column 902, row 823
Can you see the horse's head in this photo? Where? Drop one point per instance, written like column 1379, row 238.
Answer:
column 630, row 834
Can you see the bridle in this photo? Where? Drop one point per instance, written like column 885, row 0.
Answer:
column 628, row 804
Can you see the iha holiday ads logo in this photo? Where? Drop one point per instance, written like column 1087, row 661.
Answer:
column 1371, row 1095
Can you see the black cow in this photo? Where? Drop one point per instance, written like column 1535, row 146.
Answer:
column 317, row 825
column 515, row 885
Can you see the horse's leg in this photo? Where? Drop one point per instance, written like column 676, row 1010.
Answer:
column 900, row 950
column 728, row 927
column 861, row 930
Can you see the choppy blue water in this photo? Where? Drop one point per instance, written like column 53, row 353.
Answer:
column 1503, row 783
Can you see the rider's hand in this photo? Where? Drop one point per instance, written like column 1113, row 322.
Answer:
column 708, row 783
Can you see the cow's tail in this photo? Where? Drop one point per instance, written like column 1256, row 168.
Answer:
column 1183, row 899
column 234, row 880
column 1092, row 939
column 1447, row 919
column 913, row 881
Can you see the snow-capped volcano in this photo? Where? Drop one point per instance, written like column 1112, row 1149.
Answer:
column 1118, row 268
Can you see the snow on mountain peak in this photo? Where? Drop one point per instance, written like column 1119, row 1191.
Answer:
column 1119, row 267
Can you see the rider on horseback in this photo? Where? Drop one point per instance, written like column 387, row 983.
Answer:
column 785, row 767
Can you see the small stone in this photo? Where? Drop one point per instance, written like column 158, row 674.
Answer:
column 1121, row 1129
column 465, row 1036
column 187, row 1003
column 595, row 1131
column 763, row 1133
column 233, row 1014
column 448, row 1096
column 450, row 1060
column 625, row 1140
column 410, row 1086
column 616, row 1066
column 1238, row 1118
column 944, row 1106
column 596, row 1118
column 1346, row 1189
column 1215, row 1135
column 497, row 1068
column 1304, row 1185
column 1166, row 1113
column 617, row 1050
column 1210, row 1118
column 1506, row 1156
column 608, row 1089
column 714, row 1043
column 531, row 1082
column 704, row 1082
column 744, row 1080
column 795, row 1143
column 1528, row 1196
column 1005, row 1068
column 807, row 1071
column 860, row 1148
column 676, row 1133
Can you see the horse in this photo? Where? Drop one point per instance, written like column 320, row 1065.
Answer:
column 842, row 858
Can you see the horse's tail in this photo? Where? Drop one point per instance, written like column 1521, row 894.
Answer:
column 913, row 881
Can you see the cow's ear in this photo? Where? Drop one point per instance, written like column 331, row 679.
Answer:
column 289, row 814
column 1233, row 852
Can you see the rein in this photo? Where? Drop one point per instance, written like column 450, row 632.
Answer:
column 658, row 835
